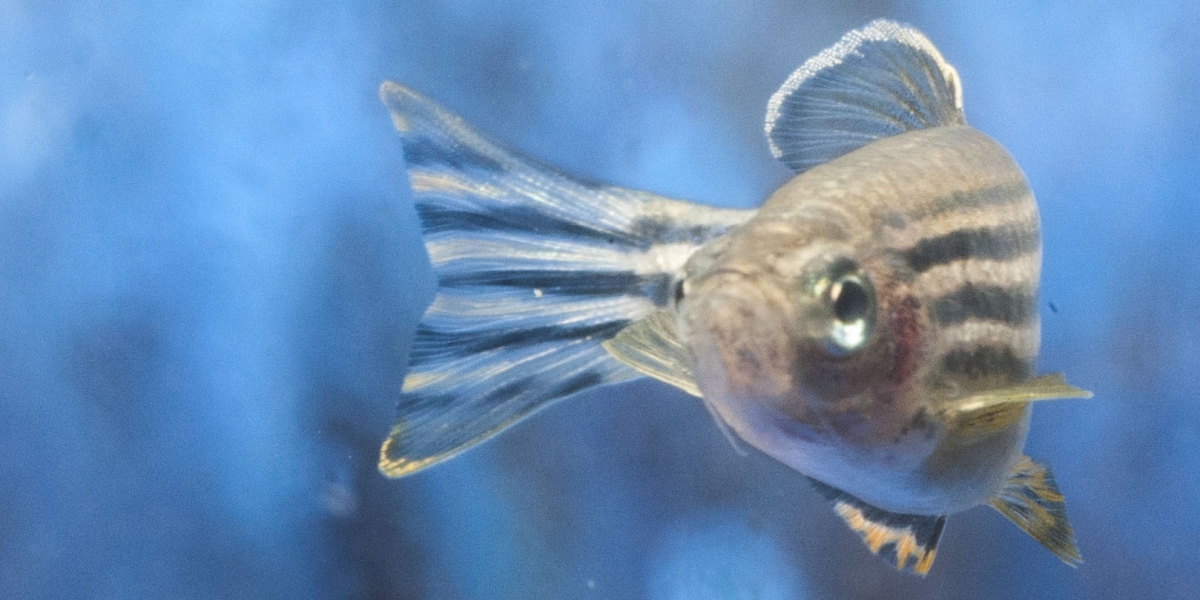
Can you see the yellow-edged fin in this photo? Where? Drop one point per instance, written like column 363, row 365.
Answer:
column 906, row 542
column 990, row 411
column 393, row 464
column 395, row 460
column 1043, row 387
column 1031, row 499
column 652, row 347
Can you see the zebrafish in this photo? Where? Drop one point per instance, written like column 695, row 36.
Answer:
column 873, row 325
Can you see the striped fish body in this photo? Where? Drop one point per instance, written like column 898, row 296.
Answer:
column 942, row 225
column 873, row 325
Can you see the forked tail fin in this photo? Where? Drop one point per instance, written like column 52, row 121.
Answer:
column 535, row 270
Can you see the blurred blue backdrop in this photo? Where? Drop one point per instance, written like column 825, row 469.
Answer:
column 210, row 271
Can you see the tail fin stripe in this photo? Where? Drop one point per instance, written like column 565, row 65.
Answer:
column 451, row 311
column 507, row 252
column 601, row 283
column 515, row 220
column 434, row 344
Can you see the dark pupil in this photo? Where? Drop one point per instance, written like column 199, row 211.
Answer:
column 678, row 291
column 851, row 303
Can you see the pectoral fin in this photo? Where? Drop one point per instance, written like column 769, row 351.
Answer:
column 652, row 347
column 907, row 542
column 1031, row 499
column 990, row 411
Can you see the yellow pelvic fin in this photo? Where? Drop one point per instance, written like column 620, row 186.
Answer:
column 987, row 412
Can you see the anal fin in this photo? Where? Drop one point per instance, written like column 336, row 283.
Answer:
column 1030, row 499
column 906, row 542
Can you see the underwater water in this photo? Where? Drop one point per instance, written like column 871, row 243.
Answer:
column 211, row 271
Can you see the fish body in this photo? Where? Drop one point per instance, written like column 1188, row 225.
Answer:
column 931, row 219
column 873, row 325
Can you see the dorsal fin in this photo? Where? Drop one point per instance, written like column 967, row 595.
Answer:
column 878, row 81
column 906, row 542
column 1030, row 499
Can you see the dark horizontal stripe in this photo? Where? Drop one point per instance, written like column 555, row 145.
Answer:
column 998, row 195
column 989, row 243
column 422, row 415
column 422, row 406
column 660, row 231
column 571, row 283
column 564, row 282
column 542, row 394
column 643, row 232
column 420, row 151
column 575, row 384
column 988, row 361
column 433, row 345
column 515, row 219
column 1013, row 306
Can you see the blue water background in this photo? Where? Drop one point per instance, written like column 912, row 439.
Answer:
column 210, row 272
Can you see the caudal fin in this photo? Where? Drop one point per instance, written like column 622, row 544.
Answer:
column 535, row 270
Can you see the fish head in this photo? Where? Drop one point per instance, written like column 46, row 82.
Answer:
column 833, row 329
column 823, row 336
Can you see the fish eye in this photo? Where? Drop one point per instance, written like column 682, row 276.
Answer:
column 853, row 303
column 849, row 298
column 850, row 301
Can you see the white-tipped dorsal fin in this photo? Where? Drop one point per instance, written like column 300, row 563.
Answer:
column 878, row 81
